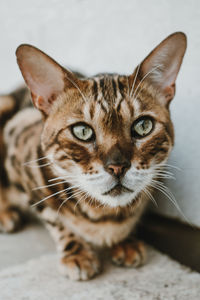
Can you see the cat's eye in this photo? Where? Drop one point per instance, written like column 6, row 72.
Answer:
column 142, row 127
column 83, row 132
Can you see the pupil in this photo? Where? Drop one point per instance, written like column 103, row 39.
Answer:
column 143, row 125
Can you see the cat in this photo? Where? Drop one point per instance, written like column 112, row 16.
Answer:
column 89, row 157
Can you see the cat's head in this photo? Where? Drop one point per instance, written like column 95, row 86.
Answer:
column 107, row 135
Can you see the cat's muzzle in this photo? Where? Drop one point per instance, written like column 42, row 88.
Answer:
column 117, row 190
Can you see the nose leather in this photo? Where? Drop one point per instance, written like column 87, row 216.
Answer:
column 116, row 163
column 117, row 170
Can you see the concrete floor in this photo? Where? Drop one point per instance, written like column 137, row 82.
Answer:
column 31, row 242
column 38, row 277
column 28, row 270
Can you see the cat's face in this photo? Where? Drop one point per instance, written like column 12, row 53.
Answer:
column 107, row 135
column 109, row 144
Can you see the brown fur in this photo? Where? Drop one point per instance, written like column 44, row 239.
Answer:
column 43, row 160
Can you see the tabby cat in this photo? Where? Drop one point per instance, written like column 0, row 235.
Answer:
column 89, row 157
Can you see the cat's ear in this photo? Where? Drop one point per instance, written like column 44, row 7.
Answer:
column 45, row 78
column 162, row 65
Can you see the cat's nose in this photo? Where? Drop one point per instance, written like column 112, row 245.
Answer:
column 119, row 169
column 116, row 162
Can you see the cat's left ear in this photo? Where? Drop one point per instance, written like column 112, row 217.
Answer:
column 162, row 65
column 45, row 78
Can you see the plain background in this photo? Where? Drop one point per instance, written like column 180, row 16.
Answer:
column 97, row 36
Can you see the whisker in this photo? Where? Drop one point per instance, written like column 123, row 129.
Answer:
column 68, row 198
column 39, row 166
column 81, row 199
column 128, row 86
column 150, row 196
column 170, row 166
column 165, row 190
column 88, row 177
column 161, row 189
column 47, row 198
column 136, row 75
column 159, row 173
column 164, row 172
column 48, row 185
column 35, row 160
column 76, row 86
column 164, row 176
column 63, row 177
column 54, row 194
column 145, row 76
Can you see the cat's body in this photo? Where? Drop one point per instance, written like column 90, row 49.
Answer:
column 88, row 163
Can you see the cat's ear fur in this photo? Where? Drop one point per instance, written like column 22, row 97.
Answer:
column 162, row 65
column 45, row 78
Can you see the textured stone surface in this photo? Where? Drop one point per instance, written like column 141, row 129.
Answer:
column 33, row 241
column 28, row 271
column 161, row 278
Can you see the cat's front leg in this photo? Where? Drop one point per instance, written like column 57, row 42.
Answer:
column 78, row 260
column 12, row 217
column 129, row 253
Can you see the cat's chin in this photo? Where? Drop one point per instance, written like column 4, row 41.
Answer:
column 121, row 200
column 117, row 190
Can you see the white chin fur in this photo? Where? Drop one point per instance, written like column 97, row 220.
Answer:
column 96, row 188
column 115, row 201
column 122, row 199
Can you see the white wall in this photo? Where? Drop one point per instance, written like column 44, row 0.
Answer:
column 95, row 36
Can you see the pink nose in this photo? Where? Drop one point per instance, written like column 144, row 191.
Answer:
column 116, row 170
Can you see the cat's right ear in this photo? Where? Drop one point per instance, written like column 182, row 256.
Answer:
column 45, row 78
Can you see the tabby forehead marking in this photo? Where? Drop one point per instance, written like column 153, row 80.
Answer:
column 109, row 93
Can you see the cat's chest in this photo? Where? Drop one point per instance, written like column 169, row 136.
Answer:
column 100, row 233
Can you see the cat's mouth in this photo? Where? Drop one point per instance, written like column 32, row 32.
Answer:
column 117, row 190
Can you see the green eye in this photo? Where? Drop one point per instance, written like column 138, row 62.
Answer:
column 142, row 127
column 83, row 132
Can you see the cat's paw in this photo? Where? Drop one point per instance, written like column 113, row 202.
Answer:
column 130, row 253
column 10, row 220
column 81, row 266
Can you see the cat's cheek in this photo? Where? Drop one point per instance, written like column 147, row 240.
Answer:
column 150, row 153
column 66, row 168
column 161, row 157
column 59, row 170
column 160, row 154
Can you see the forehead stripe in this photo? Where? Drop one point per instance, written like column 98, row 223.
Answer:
column 95, row 90
column 114, row 88
column 121, row 87
column 101, row 82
